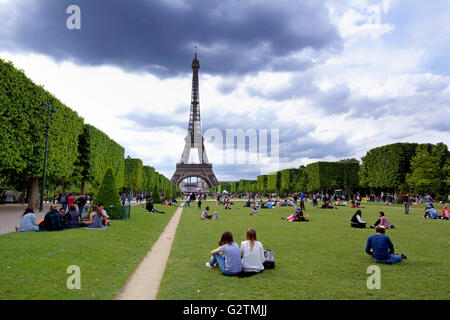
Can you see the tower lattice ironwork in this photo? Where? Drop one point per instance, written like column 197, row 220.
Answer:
column 194, row 140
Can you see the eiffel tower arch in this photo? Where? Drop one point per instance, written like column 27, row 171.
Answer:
column 194, row 140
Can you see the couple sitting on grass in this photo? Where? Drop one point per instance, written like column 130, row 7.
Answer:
column 297, row 216
column 55, row 220
column 431, row 212
column 207, row 216
column 383, row 222
column 233, row 261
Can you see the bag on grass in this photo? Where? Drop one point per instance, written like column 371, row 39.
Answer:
column 269, row 262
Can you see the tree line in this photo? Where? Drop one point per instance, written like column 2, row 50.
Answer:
column 399, row 167
column 78, row 153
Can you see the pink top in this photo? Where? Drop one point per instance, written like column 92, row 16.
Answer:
column 385, row 223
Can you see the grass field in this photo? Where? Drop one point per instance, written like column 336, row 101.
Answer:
column 34, row 264
column 320, row 259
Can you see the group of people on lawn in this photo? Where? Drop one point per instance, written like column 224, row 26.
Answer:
column 250, row 257
column 55, row 220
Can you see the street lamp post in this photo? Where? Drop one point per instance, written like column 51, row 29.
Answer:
column 129, row 194
column 51, row 109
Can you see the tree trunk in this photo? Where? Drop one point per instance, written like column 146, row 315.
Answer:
column 83, row 187
column 33, row 194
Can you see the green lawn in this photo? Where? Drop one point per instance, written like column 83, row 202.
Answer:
column 320, row 259
column 34, row 264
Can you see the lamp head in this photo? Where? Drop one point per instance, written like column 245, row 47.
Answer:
column 46, row 105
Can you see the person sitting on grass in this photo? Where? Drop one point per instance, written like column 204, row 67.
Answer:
column 95, row 218
column 149, row 207
column 28, row 221
column 383, row 222
column 254, row 210
column 380, row 247
column 247, row 204
column 230, row 262
column 72, row 217
column 356, row 221
column 52, row 220
column 327, row 205
column 205, row 214
column 431, row 213
column 269, row 205
column 297, row 216
column 105, row 220
column 445, row 213
column 227, row 204
column 252, row 253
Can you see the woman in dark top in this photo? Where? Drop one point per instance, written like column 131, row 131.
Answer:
column 356, row 221
column 52, row 221
column 72, row 217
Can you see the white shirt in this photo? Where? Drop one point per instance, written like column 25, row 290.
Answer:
column 252, row 260
column 359, row 219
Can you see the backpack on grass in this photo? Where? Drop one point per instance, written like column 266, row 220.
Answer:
column 269, row 262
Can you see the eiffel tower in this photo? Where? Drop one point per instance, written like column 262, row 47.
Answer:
column 195, row 140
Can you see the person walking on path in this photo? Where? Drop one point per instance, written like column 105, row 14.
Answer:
column 188, row 202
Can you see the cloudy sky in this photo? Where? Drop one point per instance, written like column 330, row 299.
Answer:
column 334, row 78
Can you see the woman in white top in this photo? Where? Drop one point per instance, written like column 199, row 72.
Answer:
column 252, row 253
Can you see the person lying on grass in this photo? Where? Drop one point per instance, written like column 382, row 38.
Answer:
column 28, row 221
column 356, row 221
column 383, row 222
column 252, row 253
column 149, row 207
column 380, row 247
column 96, row 217
column 297, row 216
column 227, row 256
column 205, row 214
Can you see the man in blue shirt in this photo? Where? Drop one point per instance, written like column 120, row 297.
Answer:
column 431, row 213
column 302, row 201
column 380, row 247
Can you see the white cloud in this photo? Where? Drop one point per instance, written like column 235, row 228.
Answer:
column 372, row 93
